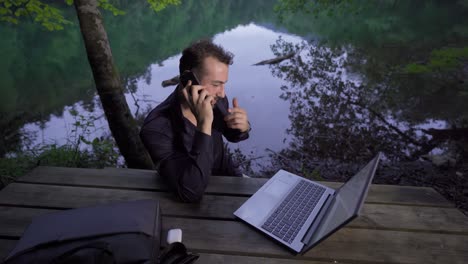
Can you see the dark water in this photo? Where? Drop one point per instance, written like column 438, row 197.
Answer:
column 374, row 79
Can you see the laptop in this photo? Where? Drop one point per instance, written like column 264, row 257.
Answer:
column 300, row 213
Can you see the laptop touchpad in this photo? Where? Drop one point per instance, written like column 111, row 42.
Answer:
column 277, row 188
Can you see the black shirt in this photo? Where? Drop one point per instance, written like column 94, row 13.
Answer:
column 187, row 157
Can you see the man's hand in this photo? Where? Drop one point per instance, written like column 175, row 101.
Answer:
column 200, row 103
column 237, row 119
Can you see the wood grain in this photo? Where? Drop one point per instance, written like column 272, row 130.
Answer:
column 374, row 216
column 348, row 244
column 399, row 224
column 147, row 180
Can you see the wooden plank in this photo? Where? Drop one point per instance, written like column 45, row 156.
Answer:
column 395, row 193
column 6, row 246
column 147, row 180
column 132, row 179
column 94, row 178
column 412, row 218
column 64, row 197
column 374, row 216
column 233, row 259
column 347, row 245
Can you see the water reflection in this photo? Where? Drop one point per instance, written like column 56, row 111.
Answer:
column 256, row 89
column 42, row 72
column 342, row 115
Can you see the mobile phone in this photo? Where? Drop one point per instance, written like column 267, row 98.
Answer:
column 188, row 76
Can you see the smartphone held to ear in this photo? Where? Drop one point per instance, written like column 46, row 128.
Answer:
column 188, row 76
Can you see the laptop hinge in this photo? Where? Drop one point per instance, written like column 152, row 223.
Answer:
column 315, row 224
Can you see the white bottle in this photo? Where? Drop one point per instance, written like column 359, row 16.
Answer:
column 174, row 235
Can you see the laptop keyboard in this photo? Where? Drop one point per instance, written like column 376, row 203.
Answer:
column 292, row 213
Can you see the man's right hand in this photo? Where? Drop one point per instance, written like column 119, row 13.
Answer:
column 200, row 103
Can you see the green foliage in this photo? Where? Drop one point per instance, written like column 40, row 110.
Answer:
column 80, row 151
column 103, row 150
column 445, row 59
column 330, row 7
column 383, row 23
column 51, row 18
column 48, row 16
column 313, row 175
column 291, row 6
column 158, row 5
column 106, row 5
column 13, row 167
column 416, row 68
column 102, row 154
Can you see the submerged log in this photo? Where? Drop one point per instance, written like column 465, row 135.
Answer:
column 276, row 60
column 170, row 82
column 443, row 134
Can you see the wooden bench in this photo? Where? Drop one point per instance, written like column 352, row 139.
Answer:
column 398, row 224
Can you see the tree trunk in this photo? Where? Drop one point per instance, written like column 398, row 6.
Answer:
column 121, row 122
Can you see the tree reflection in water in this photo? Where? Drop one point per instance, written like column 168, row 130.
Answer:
column 340, row 119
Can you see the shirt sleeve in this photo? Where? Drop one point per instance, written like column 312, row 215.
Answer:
column 186, row 173
column 232, row 135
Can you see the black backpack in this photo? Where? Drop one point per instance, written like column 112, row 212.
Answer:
column 127, row 232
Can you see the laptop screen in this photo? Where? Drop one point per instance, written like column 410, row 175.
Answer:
column 348, row 201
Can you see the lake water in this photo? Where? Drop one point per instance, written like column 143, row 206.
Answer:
column 302, row 109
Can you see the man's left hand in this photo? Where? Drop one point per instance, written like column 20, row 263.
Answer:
column 237, row 118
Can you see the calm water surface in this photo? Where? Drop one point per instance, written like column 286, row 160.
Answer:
column 376, row 80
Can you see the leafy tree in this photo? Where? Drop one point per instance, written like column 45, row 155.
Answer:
column 108, row 84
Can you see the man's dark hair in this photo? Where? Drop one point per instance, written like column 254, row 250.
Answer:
column 193, row 56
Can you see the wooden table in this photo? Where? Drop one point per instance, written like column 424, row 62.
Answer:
column 398, row 224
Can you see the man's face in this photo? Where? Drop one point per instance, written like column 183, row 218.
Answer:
column 214, row 77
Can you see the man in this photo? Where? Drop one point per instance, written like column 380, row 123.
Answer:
column 184, row 133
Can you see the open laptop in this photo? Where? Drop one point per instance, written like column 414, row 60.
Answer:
column 300, row 213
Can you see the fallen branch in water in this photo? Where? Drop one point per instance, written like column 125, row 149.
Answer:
column 276, row 60
column 170, row 82
column 443, row 134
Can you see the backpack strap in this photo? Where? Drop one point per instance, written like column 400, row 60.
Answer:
column 176, row 253
column 96, row 252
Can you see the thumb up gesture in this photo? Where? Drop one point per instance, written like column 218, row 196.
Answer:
column 237, row 118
